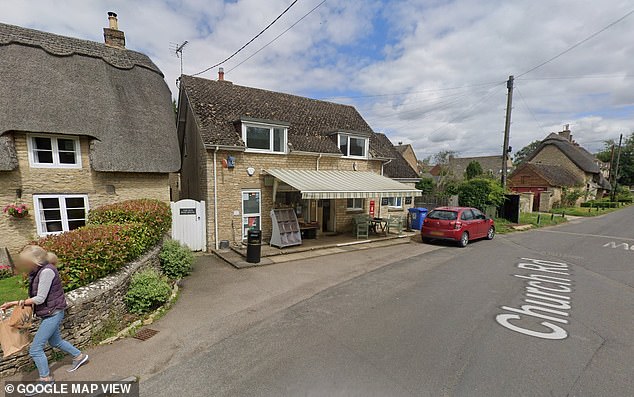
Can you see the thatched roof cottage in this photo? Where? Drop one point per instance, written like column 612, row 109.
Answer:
column 82, row 124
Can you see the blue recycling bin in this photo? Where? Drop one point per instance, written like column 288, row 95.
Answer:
column 417, row 216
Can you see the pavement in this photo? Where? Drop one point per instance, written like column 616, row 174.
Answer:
column 427, row 325
column 217, row 301
column 405, row 320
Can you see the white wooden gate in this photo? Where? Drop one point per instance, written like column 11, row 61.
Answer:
column 189, row 224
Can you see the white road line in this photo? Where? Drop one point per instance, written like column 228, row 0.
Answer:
column 587, row 235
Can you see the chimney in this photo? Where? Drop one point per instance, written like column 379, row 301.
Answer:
column 566, row 133
column 221, row 74
column 113, row 37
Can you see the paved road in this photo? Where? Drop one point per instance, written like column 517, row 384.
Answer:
column 431, row 325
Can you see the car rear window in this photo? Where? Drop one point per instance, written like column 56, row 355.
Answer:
column 443, row 215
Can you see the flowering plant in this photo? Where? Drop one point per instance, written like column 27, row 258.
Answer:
column 16, row 210
column 5, row 271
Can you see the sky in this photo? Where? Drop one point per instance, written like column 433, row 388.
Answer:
column 425, row 72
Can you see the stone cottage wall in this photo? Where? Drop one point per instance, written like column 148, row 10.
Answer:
column 88, row 309
column 98, row 186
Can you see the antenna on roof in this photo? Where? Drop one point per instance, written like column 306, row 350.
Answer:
column 178, row 51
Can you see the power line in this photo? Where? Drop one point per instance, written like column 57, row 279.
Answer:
column 278, row 36
column 412, row 92
column 530, row 110
column 586, row 76
column 577, row 44
column 250, row 41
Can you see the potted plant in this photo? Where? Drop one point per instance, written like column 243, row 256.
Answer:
column 16, row 210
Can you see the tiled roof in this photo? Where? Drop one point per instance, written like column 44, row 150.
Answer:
column 398, row 167
column 219, row 106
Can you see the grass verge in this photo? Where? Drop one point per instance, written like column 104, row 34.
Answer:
column 502, row 226
column 12, row 289
column 579, row 211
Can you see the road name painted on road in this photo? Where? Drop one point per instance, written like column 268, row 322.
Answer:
column 615, row 245
column 544, row 301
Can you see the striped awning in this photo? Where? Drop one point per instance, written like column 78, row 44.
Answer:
column 342, row 184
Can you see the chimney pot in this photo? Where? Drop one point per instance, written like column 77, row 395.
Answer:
column 113, row 37
column 221, row 74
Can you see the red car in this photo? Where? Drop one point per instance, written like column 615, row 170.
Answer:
column 461, row 224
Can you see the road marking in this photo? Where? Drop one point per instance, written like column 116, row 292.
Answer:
column 588, row 235
column 544, row 301
column 625, row 246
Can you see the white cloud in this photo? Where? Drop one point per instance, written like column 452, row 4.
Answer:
column 431, row 46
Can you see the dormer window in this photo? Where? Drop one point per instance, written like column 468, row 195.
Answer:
column 259, row 137
column 353, row 146
column 47, row 151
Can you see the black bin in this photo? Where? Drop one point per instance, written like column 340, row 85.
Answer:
column 254, row 246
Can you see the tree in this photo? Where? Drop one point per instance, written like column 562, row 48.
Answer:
column 474, row 170
column 425, row 185
column 441, row 159
column 626, row 162
column 480, row 193
column 524, row 152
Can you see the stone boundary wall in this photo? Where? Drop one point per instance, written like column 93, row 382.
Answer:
column 88, row 308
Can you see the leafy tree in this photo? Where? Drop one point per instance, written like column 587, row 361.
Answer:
column 524, row 152
column 474, row 170
column 569, row 197
column 626, row 162
column 480, row 193
column 426, row 185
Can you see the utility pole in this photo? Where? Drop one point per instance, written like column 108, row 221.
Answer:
column 616, row 170
column 611, row 163
column 507, row 129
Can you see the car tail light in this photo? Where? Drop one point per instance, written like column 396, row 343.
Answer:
column 457, row 225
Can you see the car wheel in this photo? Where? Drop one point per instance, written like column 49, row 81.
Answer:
column 491, row 233
column 464, row 240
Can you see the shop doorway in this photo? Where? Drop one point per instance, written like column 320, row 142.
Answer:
column 328, row 216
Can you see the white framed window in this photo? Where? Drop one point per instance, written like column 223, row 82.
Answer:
column 355, row 204
column 46, row 151
column 251, row 211
column 59, row 213
column 395, row 202
column 265, row 138
column 353, row 146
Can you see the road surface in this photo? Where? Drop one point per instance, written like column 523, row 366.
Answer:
column 538, row 313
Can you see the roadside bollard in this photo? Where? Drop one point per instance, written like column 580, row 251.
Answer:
column 552, row 216
column 563, row 214
column 539, row 218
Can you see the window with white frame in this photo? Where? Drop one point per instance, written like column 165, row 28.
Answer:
column 54, row 151
column 355, row 204
column 59, row 213
column 353, row 146
column 395, row 202
column 264, row 138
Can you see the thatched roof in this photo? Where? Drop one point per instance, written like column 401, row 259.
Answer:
column 62, row 85
column 578, row 155
column 220, row 105
column 555, row 175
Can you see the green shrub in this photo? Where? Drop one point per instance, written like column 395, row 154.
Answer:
column 176, row 259
column 480, row 193
column 153, row 213
column 148, row 290
column 91, row 252
column 5, row 271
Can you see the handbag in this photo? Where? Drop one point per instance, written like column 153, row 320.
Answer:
column 21, row 317
column 12, row 339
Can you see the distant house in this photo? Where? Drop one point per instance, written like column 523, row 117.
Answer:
column 559, row 163
column 248, row 151
column 457, row 167
column 82, row 124
column 407, row 151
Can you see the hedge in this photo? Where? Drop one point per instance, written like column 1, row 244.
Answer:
column 601, row 204
column 116, row 234
column 154, row 213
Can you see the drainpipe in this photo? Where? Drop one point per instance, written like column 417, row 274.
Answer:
column 380, row 197
column 217, row 243
column 318, row 158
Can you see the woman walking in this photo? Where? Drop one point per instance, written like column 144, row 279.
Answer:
column 46, row 294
